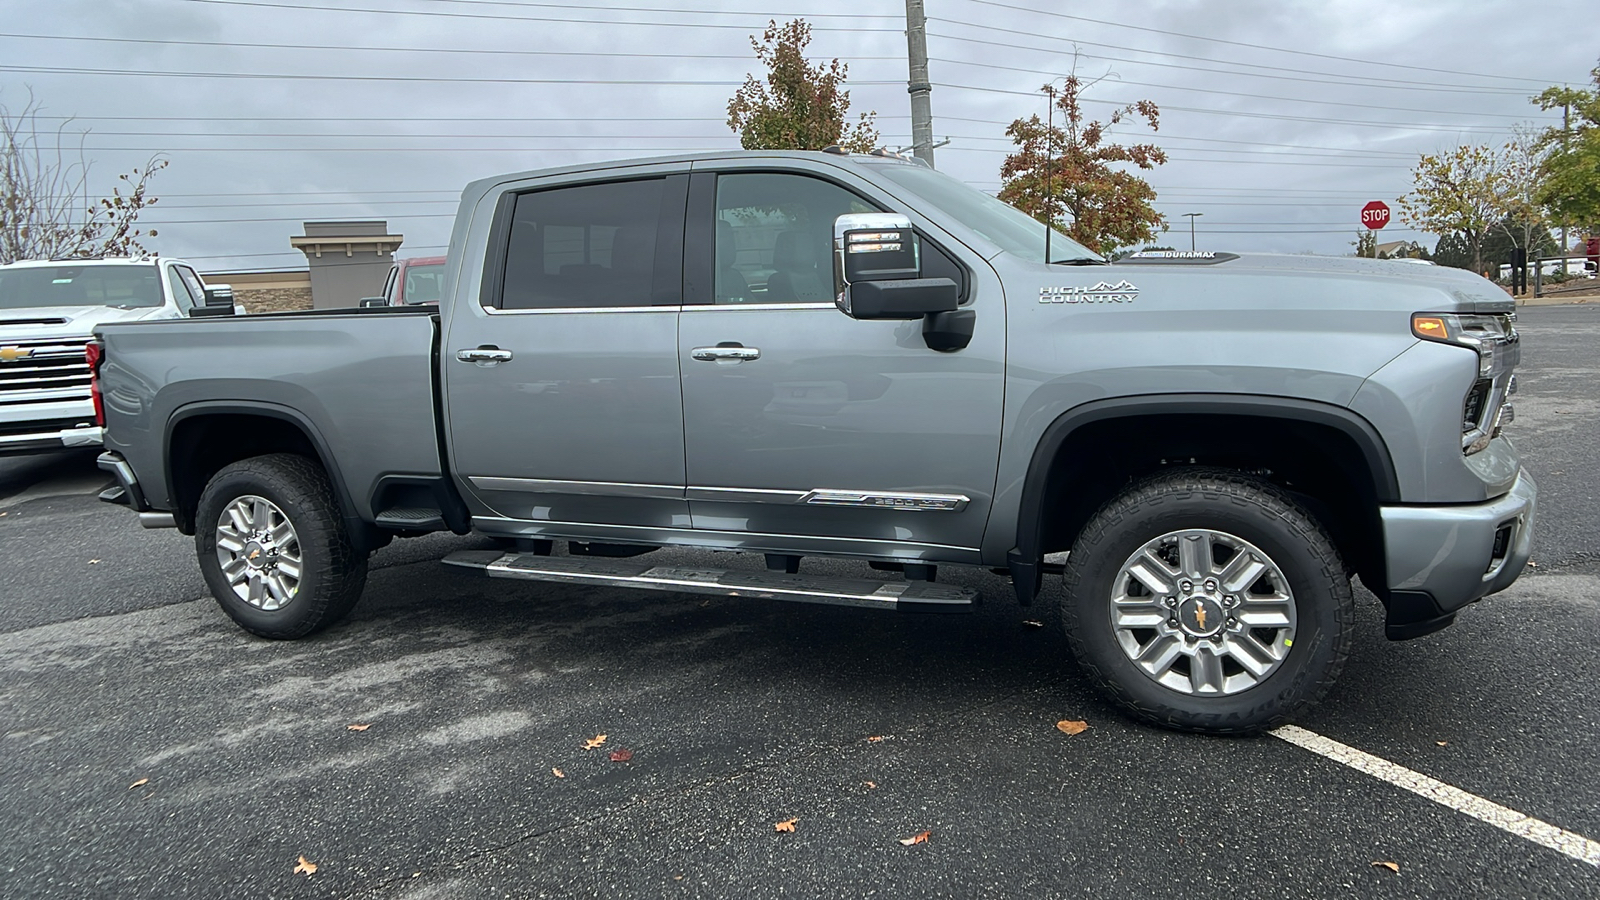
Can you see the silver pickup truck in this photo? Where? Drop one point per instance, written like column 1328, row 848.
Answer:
column 839, row 355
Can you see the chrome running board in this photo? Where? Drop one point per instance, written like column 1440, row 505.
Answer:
column 868, row 593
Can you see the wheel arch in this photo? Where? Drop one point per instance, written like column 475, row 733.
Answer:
column 1067, row 456
column 194, row 451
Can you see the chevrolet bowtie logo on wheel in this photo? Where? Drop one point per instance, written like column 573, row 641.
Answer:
column 1200, row 616
column 12, row 354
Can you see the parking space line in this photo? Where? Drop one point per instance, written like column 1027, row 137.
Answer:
column 1508, row 820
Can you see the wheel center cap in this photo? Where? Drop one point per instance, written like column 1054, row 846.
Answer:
column 255, row 555
column 1201, row 616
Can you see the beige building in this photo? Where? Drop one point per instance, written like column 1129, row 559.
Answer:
column 346, row 262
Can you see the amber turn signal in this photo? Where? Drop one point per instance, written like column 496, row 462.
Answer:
column 1430, row 327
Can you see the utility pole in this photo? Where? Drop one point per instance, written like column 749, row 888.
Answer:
column 1566, row 112
column 919, row 88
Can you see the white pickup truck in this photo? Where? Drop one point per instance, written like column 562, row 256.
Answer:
column 48, row 310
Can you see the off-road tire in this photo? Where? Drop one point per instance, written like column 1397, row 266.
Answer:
column 1249, row 508
column 333, row 573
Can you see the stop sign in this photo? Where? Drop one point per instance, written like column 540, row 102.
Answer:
column 1375, row 215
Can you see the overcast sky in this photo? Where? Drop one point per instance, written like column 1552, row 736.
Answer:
column 1282, row 118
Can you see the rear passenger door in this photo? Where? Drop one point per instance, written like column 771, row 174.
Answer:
column 563, row 402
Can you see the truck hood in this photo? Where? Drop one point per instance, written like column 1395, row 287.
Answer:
column 1462, row 291
column 43, row 322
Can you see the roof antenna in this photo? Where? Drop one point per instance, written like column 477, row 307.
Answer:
column 1049, row 160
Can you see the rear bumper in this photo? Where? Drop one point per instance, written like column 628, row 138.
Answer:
column 54, row 439
column 1441, row 558
column 128, row 492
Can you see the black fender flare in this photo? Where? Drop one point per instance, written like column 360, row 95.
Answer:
column 1026, row 559
column 271, row 410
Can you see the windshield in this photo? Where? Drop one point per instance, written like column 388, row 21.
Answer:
column 123, row 286
column 422, row 283
column 1003, row 225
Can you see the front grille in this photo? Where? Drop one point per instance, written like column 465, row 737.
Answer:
column 52, row 370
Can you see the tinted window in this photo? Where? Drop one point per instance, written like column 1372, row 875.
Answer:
column 127, row 286
column 592, row 245
column 775, row 237
column 180, row 291
column 422, row 283
column 197, row 288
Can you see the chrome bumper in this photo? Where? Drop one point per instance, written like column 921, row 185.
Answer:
column 1441, row 558
column 65, row 439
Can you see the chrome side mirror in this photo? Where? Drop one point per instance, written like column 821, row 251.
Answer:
column 873, row 247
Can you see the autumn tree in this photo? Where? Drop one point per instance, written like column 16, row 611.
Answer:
column 46, row 208
column 799, row 106
column 1571, row 185
column 1366, row 243
column 1461, row 193
column 1069, row 172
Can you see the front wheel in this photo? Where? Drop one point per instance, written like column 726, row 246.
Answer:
column 1208, row 601
column 273, row 547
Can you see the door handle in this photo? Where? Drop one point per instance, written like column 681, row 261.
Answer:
column 485, row 354
column 727, row 352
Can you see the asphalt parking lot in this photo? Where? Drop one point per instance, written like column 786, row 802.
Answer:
column 151, row 749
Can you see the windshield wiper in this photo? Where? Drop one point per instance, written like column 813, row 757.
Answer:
column 1080, row 261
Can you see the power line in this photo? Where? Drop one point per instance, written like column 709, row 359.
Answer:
column 288, row 76
column 476, row 51
column 1229, row 112
column 1364, row 62
column 506, row 18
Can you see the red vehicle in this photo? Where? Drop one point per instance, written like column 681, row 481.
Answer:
column 414, row 282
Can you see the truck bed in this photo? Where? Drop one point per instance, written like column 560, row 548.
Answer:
column 361, row 384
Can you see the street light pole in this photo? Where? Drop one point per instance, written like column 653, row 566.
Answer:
column 1192, row 217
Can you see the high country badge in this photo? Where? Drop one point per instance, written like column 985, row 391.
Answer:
column 1121, row 292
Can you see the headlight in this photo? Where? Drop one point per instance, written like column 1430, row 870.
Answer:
column 1485, row 334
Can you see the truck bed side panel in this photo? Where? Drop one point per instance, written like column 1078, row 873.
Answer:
column 364, row 383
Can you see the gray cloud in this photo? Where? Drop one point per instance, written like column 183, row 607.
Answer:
column 1268, row 154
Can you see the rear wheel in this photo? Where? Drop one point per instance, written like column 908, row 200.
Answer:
column 273, row 547
column 1208, row 601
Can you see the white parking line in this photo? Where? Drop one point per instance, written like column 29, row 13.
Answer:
column 1544, row 834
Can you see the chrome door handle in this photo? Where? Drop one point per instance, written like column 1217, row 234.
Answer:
column 721, row 353
column 484, row 355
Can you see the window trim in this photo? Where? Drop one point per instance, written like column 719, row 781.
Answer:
column 668, row 250
column 179, row 301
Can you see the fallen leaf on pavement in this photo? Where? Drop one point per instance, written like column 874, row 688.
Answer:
column 94, row 562
column 1032, row 623
column 786, row 825
column 916, row 839
column 139, row 782
column 1072, row 726
column 306, row 866
column 622, row 755
column 1383, row 863
column 1532, row 564
column 871, row 785
column 359, row 726
column 1442, row 743
column 557, row 772
column 875, row 739
column 594, row 742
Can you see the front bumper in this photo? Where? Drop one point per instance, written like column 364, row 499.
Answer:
column 1441, row 558
column 54, row 439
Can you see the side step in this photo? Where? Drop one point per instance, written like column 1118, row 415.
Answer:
column 863, row 592
column 410, row 519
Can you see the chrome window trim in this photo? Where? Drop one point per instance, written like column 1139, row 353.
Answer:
column 756, row 306
column 542, row 311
